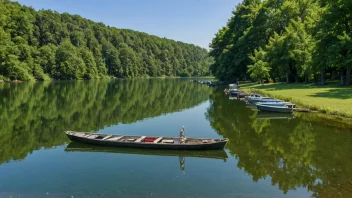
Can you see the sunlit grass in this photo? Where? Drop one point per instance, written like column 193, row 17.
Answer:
column 332, row 99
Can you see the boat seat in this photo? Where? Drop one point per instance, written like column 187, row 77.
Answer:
column 107, row 137
column 205, row 141
column 158, row 140
column 92, row 136
column 131, row 140
column 81, row 134
column 115, row 138
column 140, row 139
column 167, row 141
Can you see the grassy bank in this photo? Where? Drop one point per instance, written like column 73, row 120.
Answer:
column 330, row 99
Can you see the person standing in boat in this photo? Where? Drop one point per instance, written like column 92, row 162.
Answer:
column 182, row 136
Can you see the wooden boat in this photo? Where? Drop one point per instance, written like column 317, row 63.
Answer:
column 81, row 147
column 280, row 109
column 242, row 95
column 181, row 143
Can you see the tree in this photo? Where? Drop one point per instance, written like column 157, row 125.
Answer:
column 260, row 69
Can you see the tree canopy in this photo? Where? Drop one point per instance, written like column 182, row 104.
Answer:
column 45, row 44
column 291, row 40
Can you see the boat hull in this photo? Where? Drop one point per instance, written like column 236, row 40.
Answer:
column 274, row 109
column 202, row 146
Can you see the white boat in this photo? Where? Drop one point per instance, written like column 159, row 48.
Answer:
column 263, row 99
column 277, row 104
column 232, row 86
column 253, row 96
column 280, row 109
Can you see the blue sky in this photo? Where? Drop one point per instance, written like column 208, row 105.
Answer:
column 190, row 21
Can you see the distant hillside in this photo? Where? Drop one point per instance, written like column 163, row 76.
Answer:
column 46, row 44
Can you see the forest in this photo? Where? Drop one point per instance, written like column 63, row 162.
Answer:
column 44, row 44
column 286, row 41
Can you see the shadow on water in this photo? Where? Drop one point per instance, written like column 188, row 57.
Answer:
column 292, row 152
column 34, row 115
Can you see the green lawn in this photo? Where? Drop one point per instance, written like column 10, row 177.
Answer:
column 331, row 99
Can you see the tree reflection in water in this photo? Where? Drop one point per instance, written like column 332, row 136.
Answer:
column 292, row 152
column 34, row 115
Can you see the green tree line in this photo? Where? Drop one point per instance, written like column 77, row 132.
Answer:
column 292, row 153
column 45, row 44
column 28, row 124
column 287, row 41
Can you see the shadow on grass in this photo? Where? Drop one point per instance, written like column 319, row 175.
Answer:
column 335, row 93
column 284, row 86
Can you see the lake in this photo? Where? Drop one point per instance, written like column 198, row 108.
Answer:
column 268, row 155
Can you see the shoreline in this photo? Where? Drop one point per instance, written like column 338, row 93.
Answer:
column 108, row 78
column 327, row 110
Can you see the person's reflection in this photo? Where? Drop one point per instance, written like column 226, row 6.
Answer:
column 182, row 164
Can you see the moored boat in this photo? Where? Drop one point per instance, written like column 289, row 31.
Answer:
column 250, row 96
column 179, row 143
column 263, row 99
column 279, row 103
column 280, row 109
column 234, row 92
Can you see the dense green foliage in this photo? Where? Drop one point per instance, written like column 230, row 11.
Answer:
column 292, row 153
column 46, row 44
column 35, row 115
column 286, row 40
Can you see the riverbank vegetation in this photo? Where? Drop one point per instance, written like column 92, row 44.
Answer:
column 286, row 41
column 46, row 44
column 331, row 99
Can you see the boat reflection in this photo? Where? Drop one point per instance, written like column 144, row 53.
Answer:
column 80, row 147
column 214, row 154
column 273, row 115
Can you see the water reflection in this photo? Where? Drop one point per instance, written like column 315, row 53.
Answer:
column 182, row 155
column 34, row 115
column 293, row 152
column 273, row 115
column 80, row 147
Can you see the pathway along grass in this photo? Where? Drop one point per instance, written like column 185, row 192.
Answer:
column 330, row 99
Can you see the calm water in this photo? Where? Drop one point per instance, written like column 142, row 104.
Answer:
column 293, row 157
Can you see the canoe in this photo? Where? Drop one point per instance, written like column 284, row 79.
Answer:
column 81, row 147
column 147, row 142
column 280, row 109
